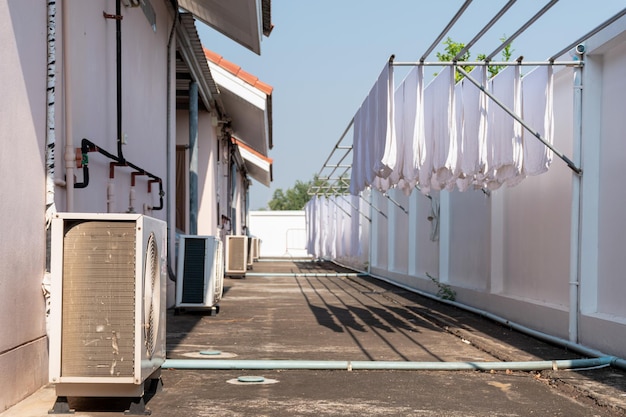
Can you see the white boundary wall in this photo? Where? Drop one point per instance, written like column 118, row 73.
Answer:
column 509, row 253
column 282, row 233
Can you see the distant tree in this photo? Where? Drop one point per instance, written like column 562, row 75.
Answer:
column 452, row 49
column 293, row 199
column 296, row 197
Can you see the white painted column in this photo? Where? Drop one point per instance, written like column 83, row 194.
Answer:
column 444, row 236
column 497, row 242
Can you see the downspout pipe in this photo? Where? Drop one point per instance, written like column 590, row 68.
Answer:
column 574, row 277
column 226, row 364
column 70, row 162
column 118, row 47
column 169, row 143
column 51, row 105
column 193, row 158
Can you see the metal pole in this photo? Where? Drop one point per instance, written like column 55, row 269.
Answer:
column 372, row 206
column 487, row 64
column 396, row 203
column 484, row 29
column 332, row 200
column 193, row 158
column 356, row 208
column 345, row 132
column 521, row 29
column 588, row 35
column 446, row 29
column 574, row 278
column 571, row 164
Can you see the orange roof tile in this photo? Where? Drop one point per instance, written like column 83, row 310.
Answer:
column 238, row 72
column 249, row 149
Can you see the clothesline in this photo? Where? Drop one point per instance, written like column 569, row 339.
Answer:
column 460, row 66
column 518, row 62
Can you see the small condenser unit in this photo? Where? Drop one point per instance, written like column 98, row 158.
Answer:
column 200, row 272
column 250, row 258
column 236, row 255
column 108, row 303
column 256, row 248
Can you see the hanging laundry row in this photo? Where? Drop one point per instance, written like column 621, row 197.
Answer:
column 333, row 227
column 450, row 135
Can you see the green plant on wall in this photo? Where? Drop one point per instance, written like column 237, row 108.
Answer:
column 444, row 291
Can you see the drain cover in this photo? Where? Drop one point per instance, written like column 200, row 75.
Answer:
column 252, row 380
column 210, row 352
column 256, row 379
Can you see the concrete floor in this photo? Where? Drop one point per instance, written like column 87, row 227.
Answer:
column 271, row 315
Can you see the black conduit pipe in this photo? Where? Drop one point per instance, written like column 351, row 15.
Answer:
column 118, row 41
column 87, row 146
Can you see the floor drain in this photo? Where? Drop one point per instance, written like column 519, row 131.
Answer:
column 210, row 352
column 251, row 379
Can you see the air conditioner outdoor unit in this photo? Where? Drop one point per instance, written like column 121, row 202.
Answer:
column 250, row 257
column 256, row 248
column 236, row 255
column 200, row 272
column 108, row 304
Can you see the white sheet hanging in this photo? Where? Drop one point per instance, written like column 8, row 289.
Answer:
column 412, row 122
column 505, row 133
column 472, row 130
column 374, row 143
column 538, row 112
column 386, row 136
column 444, row 135
column 440, row 130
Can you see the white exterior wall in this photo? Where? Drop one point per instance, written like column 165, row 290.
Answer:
column 207, row 176
column 207, row 169
column 23, row 345
column 604, row 315
column 92, row 59
column 92, row 113
column 282, row 233
column 509, row 253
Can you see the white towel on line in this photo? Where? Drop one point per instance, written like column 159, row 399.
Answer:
column 440, row 134
column 472, row 129
column 412, row 128
column 505, row 133
column 538, row 113
column 386, row 137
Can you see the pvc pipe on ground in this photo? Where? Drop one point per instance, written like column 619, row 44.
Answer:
column 221, row 364
column 301, row 274
column 575, row 347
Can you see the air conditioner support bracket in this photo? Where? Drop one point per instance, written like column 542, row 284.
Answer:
column 61, row 406
column 152, row 386
column 137, row 408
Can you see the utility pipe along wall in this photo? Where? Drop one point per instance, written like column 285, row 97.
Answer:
column 221, row 364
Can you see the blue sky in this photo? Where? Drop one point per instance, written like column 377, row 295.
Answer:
column 323, row 57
